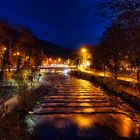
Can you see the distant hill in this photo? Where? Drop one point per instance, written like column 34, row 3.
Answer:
column 51, row 49
column 48, row 48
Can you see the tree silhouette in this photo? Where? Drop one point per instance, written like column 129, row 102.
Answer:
column 126, row 13
column 6, row 41
column 25, row 43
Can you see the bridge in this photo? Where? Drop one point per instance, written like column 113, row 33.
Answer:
column 54, row 67
column 58, row 67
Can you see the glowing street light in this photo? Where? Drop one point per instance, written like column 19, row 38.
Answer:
column 4, row 48
column 83, row 50
column 68, row 61
column 59, row 59
column 18, row 53
column 50, row 59
column 87, row 63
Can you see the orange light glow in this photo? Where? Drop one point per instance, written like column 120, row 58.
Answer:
column 18, row 53
column 4, row 48
column 84, row 122
column 88, row 110
column 85, row 104
column 83, row 50
column 125, row 127
column 59, row 59
column 50, row 59
column 87, row 63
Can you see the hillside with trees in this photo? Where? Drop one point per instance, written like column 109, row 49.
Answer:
column 19, row 48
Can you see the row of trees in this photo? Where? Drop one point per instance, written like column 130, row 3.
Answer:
column 17, row 47
column 121, row 41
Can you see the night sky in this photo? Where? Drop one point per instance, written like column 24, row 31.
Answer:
column 67, row 23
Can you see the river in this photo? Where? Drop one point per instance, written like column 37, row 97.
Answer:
column 76, row 108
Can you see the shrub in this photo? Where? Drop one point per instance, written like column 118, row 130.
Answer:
column 12, row 124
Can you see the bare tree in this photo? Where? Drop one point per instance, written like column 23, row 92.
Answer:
column 126, row 12
column 112, row 48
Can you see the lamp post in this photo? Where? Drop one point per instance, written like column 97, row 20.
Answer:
column 59, row 59
column 83, row 50
column 4, row 48
column 84, row 55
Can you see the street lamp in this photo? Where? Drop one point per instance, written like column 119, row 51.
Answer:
column 84, row 57
column 18, row 53
column 4, row 48
column 59, row 59
column 83, row 50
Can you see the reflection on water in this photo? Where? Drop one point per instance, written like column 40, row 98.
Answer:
column 126, row 127
column 81, row 109
column 95, row 125
column 83, row 122
column 88, row 110
column 85, row 104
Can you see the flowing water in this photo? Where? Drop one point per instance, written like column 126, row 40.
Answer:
column 76, row 108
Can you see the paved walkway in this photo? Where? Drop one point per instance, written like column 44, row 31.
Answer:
column 128, row 79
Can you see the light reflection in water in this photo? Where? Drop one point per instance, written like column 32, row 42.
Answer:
column 119, row 124
column 125, row 127
column 88, row 110
column 83, row 121
column 136, row 128
column 85, row 104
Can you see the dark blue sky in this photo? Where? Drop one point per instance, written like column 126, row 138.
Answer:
column 67, row 23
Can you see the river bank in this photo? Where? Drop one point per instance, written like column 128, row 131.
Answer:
column 14, row 111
